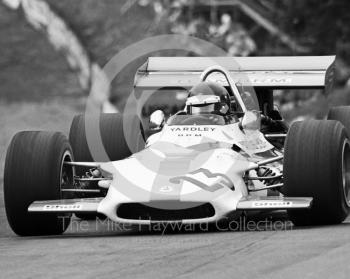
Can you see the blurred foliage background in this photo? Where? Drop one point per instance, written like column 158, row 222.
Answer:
column 241, row 27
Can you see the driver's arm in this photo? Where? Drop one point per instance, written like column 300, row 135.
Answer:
column 270, row 125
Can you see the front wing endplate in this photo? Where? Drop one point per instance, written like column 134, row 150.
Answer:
column 67, row 205
column 274, row 203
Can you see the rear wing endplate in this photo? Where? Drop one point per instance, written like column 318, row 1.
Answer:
column 293, row 72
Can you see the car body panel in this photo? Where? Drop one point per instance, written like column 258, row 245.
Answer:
column 186, row 164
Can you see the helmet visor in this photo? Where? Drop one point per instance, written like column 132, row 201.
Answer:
column 203, row 109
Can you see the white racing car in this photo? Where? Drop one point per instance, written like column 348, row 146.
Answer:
column 225, row 153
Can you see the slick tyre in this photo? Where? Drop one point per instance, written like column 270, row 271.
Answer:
column 341, row 114
column 34, row 171
column 121, row 136
column 317, row 164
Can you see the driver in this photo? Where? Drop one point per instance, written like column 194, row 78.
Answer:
column 212, row 98
column 208, row 98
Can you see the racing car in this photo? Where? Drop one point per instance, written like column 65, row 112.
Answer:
column 228, row 151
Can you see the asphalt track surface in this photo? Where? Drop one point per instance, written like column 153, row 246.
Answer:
column 105, row 250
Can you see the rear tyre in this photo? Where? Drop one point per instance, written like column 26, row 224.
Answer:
column 118, row 140
column 34, row 171
column 341, row 114
column 317, row 164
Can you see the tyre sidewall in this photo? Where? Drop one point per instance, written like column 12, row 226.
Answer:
column 33, row 173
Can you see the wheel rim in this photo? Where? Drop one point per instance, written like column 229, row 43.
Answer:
column 346, row 171
column 66, row 174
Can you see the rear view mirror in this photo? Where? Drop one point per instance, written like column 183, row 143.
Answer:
column 251, row 120
column 157, row 120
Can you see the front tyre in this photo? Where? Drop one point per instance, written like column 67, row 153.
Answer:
column 317, row 164
column 34, row 171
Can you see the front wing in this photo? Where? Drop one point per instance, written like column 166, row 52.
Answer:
column 90, row 205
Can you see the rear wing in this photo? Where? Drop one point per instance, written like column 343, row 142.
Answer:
column 286, row 72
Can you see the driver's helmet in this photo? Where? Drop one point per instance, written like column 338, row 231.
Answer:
column 208, row 98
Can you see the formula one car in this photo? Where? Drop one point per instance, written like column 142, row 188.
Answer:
column 225, row 153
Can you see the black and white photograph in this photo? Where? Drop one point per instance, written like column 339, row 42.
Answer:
column 174, row 139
